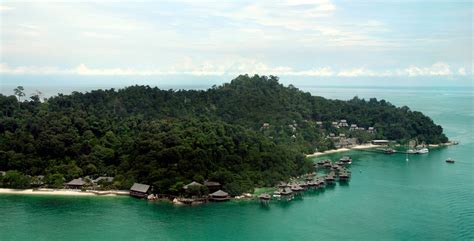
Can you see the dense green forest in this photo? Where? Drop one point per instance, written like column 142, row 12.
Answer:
column 247, row 133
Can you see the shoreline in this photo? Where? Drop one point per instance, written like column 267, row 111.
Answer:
column 344, row 149
column 62, row 192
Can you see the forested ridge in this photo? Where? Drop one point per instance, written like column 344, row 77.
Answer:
column 250, row 132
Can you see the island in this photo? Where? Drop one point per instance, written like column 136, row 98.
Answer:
column 251, row 132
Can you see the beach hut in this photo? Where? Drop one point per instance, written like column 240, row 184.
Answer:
column 139, row 190
column 219, row 196
column 77, row 183
column 212, row 186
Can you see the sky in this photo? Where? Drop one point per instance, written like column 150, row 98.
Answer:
column 320, row 42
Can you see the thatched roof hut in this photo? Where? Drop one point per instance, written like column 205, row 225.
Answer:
column 192, row 184
column 219, row 196
column 77, row 183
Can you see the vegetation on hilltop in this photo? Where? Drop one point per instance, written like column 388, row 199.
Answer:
column 168, row 138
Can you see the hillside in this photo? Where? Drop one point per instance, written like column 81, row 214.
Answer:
column 246, row 133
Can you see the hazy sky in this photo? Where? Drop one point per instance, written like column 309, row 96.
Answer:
column 320, row 40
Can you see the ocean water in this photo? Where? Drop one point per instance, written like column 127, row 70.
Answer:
column 387, row 198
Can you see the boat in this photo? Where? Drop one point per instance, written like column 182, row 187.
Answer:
column 411, row 151
column 422, row 151
column 450, row 160
column 389, row 151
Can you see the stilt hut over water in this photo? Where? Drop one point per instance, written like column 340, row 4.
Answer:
column 139, row 190
column 219, row 196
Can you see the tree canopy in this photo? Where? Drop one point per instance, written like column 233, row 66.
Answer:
column 250, row 132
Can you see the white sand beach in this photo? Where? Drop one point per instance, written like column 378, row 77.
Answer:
column 61, row 192
column 356, row 147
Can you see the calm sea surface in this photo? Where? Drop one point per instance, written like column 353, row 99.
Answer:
column 386, row 199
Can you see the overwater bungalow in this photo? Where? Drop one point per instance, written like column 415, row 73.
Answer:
column 346, row 160
column 219, row 196
column 282, row 185
column 329, row 179
column 77, row 183
column 264, row 198
column 139, row 190
column 286, row 191
column 344, row 177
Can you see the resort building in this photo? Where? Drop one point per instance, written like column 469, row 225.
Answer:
column 212, row 186
column 219, row 196
column 197, row 184
column 105, row 179
column 265, row 125
column 2, row 173
column 335, row 124
column 319, row 123
column 343, row 123
column 353, row 127
column 380, row 142
column 77, row 183
column 371, row 129
column 139, row 190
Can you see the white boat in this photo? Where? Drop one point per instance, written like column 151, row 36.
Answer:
column 423, row 151
column 411, row 151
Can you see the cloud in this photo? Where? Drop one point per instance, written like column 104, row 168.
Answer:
column 4, row 8
column 437, row 69
column 241, row 66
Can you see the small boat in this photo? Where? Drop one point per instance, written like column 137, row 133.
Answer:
column 411, row 151
column 450, row 160
column 389, row 151
column 423, row 151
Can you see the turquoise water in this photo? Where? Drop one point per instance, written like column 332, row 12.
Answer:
column 386, row 199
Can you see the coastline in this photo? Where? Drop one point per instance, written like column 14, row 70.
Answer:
column 61, row 192
column 356, row 147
